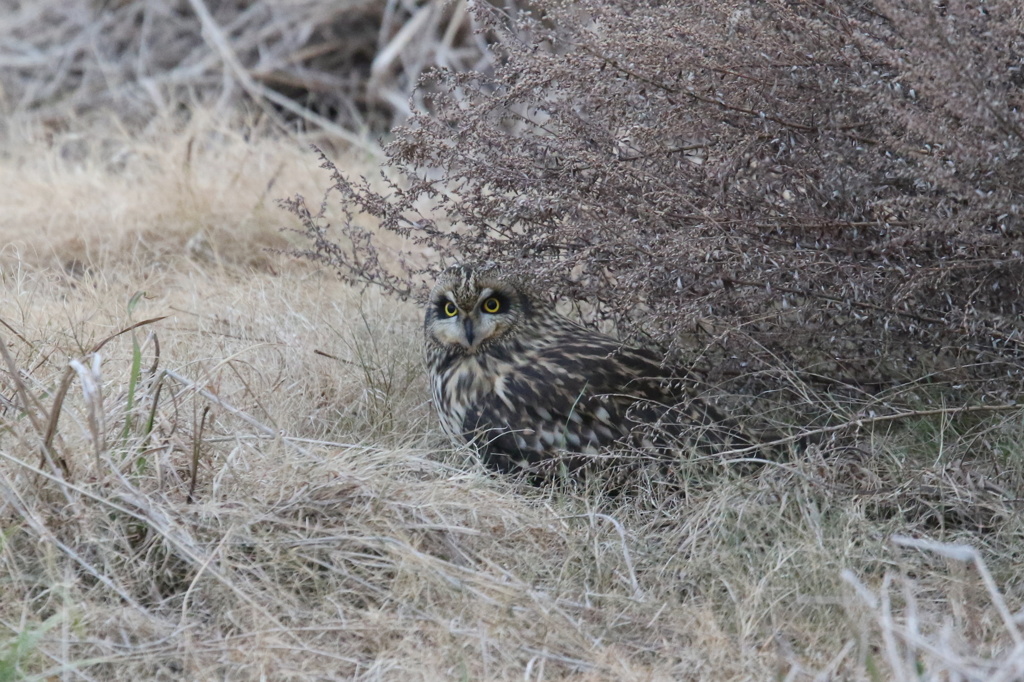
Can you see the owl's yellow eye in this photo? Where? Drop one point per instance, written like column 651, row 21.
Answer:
column 450, row 309
column 492, row 305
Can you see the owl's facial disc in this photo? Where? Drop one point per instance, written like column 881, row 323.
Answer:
column 470, row 321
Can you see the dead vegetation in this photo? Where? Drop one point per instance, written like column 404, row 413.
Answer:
column 218, row 462
column 828, row 190
column 342, row 68
column 250, row 483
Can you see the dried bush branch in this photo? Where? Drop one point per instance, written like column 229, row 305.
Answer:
column 833, row 190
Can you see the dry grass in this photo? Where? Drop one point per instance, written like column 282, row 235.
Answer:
column 335, row 67
column 221, row 500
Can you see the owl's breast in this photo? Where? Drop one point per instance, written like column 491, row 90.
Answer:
column 464, row 384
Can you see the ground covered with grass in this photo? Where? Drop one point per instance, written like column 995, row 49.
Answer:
column 216, row 462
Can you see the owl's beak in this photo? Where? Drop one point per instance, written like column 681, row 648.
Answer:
column 468, row 326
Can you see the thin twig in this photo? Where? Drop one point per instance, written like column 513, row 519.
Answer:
column 869, row 421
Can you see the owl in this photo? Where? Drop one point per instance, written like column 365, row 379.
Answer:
column 535, row 392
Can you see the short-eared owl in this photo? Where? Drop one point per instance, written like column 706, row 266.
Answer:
column 531, row 388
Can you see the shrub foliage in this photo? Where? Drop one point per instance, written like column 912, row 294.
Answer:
column 834, row 188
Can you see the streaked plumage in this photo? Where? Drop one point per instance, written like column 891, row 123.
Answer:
column 534, row 390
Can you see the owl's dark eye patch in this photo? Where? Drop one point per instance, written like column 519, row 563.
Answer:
column 446, row 308
column 495, row 303
column 491, row 305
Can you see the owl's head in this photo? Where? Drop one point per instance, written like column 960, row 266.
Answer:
column 473, row 306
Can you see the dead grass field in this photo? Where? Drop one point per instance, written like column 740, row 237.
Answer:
column 332, row 533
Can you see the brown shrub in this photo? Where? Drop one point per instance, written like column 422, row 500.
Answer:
column 833, row 188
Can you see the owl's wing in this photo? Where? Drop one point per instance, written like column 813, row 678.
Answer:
column 580, row 399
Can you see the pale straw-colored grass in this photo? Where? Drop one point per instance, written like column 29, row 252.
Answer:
column 254, row 487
